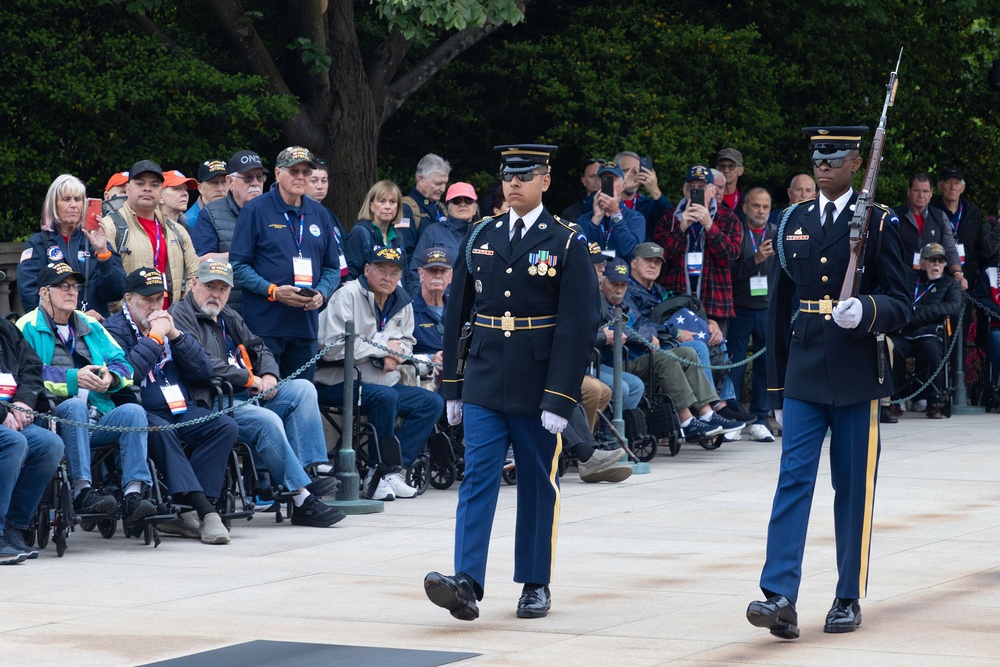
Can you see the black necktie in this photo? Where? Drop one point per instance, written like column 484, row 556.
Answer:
column 518, row 232
column 828, row 220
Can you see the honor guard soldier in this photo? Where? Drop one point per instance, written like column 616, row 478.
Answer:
column 525, row 285
column 827, row 368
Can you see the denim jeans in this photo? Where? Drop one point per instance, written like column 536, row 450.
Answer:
column 632, row 386
column 291, row 354
column 419, row 408
column 131, row 445
column 28, row 461
column 286, row 431
column 750, row 324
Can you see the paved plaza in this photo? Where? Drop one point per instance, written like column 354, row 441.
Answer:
column 656, row 570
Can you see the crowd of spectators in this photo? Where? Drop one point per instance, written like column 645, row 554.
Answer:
column 130, row 314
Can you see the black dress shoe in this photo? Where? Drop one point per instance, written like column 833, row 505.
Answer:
column 535, row 602
column 844, row 616
column 456, row 594
column 886, row 416
column 777, row 613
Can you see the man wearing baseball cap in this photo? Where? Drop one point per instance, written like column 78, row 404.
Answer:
column 613, row 226
column 434, row 276
column 286, row 259
column 730, row 162
column 212, row 185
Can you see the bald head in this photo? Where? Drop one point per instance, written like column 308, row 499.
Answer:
column 803, row 187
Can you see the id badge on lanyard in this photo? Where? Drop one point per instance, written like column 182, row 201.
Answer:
column 8, row 386
column 175, row 398
column 301, row 266
column 758, row 285
column 694, row 261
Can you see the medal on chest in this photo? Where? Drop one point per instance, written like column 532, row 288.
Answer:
column 541, row 263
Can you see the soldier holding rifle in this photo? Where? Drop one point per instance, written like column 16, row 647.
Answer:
column 827, row 369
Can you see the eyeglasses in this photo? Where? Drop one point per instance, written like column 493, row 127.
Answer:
column 729, row 166
column 251, row 178
column 937, row 260
column 461, row 201
column 594, row 160
column 394, row 274
column 835, row 163
column 524, row 178
column 68, row 287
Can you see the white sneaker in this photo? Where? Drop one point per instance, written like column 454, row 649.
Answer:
column 399, row 487
column 760, row 433
column 382, row 491
column 733, row 436
column 920, row 406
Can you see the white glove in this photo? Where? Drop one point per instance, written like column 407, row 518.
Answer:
column 454, row 409
column 778, row 414
column 848, row 313
column 553, row 423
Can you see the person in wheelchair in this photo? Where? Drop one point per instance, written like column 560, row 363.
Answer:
column 428, row 307
column 82, row 367
column 285, row 429
column 29, row 453
column 165, row 363
column 936, row 296
column 383, row 314
column 685, row 383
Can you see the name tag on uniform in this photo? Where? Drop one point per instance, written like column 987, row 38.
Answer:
column 758, row 285
column 174, row 398
column 916, row 261
column 8, row 386
column 694, row 260
column 303, row 269
column 960, row 247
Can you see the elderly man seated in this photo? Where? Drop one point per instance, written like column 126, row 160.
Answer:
column 167, row 362
column 383, row 319
column 285, row 428
column 935, row 296
column 29, row 454
column 82, row 364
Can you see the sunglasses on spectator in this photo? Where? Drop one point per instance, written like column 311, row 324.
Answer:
column 937, row 260
column 461, row 201
column 594, row 160
column 250, row 178
column 524, row 178
column 835, row 163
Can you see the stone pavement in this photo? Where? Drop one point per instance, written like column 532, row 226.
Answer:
column 657, row 570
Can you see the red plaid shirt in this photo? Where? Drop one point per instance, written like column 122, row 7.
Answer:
column 721, row 247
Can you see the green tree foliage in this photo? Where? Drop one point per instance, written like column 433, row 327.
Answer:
column 86, row 93
column 680, row 85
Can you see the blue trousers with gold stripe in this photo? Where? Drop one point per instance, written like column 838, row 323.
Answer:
column 536, row 454
column 854, row 451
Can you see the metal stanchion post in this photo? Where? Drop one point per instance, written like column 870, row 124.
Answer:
column 638, row 467
column 960, row 404
column 347, row 471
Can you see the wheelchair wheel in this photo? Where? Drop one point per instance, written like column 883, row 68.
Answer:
column 147, row 533
column 418, row 475
column 29, row 535
column 87, row 525
column 645, row 448
column 712, row 443
column 44, row 525
column 442, row 474
column 509, row 474
column 107, row 527
column 675, row 445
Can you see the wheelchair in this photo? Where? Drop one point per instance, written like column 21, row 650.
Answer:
column 364, row 437
column 944, row 382
column 54, row 519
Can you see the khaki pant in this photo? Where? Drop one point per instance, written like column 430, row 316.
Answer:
column 686, row 384
column 594, row 396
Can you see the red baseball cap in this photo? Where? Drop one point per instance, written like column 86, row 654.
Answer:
column 174, row 178
column 121, row 178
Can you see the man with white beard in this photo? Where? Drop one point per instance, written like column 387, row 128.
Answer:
column 285, row 429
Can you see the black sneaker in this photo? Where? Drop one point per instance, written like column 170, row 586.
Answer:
column 92, row 501
column 699, row 429
column 135, row 508
column 15, row 538
column 314, row 512
column 323, row 486
column 733, row 414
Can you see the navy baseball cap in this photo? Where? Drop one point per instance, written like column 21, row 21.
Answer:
column 616, row 270
column 611, row 168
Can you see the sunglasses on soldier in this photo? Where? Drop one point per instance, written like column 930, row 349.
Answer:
column 835, row 163
column 524, row 178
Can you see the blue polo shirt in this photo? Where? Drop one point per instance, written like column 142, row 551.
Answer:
column 265, row 241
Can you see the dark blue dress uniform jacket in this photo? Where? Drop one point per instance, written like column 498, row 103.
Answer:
column 527, row 371
column 814, row 359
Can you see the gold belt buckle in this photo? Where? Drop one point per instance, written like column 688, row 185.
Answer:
column 507, row 323
column 825, row 306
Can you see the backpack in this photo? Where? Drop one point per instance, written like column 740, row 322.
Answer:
column 418, row 213
column 122, row 233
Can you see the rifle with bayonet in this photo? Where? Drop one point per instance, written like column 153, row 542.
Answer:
column 859, row 221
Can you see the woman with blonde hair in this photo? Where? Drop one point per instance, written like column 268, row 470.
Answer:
column 64, row 238
column 376, row 227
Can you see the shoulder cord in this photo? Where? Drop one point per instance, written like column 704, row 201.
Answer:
column 781, row 236
column 472, row 239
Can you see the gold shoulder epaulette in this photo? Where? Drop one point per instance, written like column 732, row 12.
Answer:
column 565, row 224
